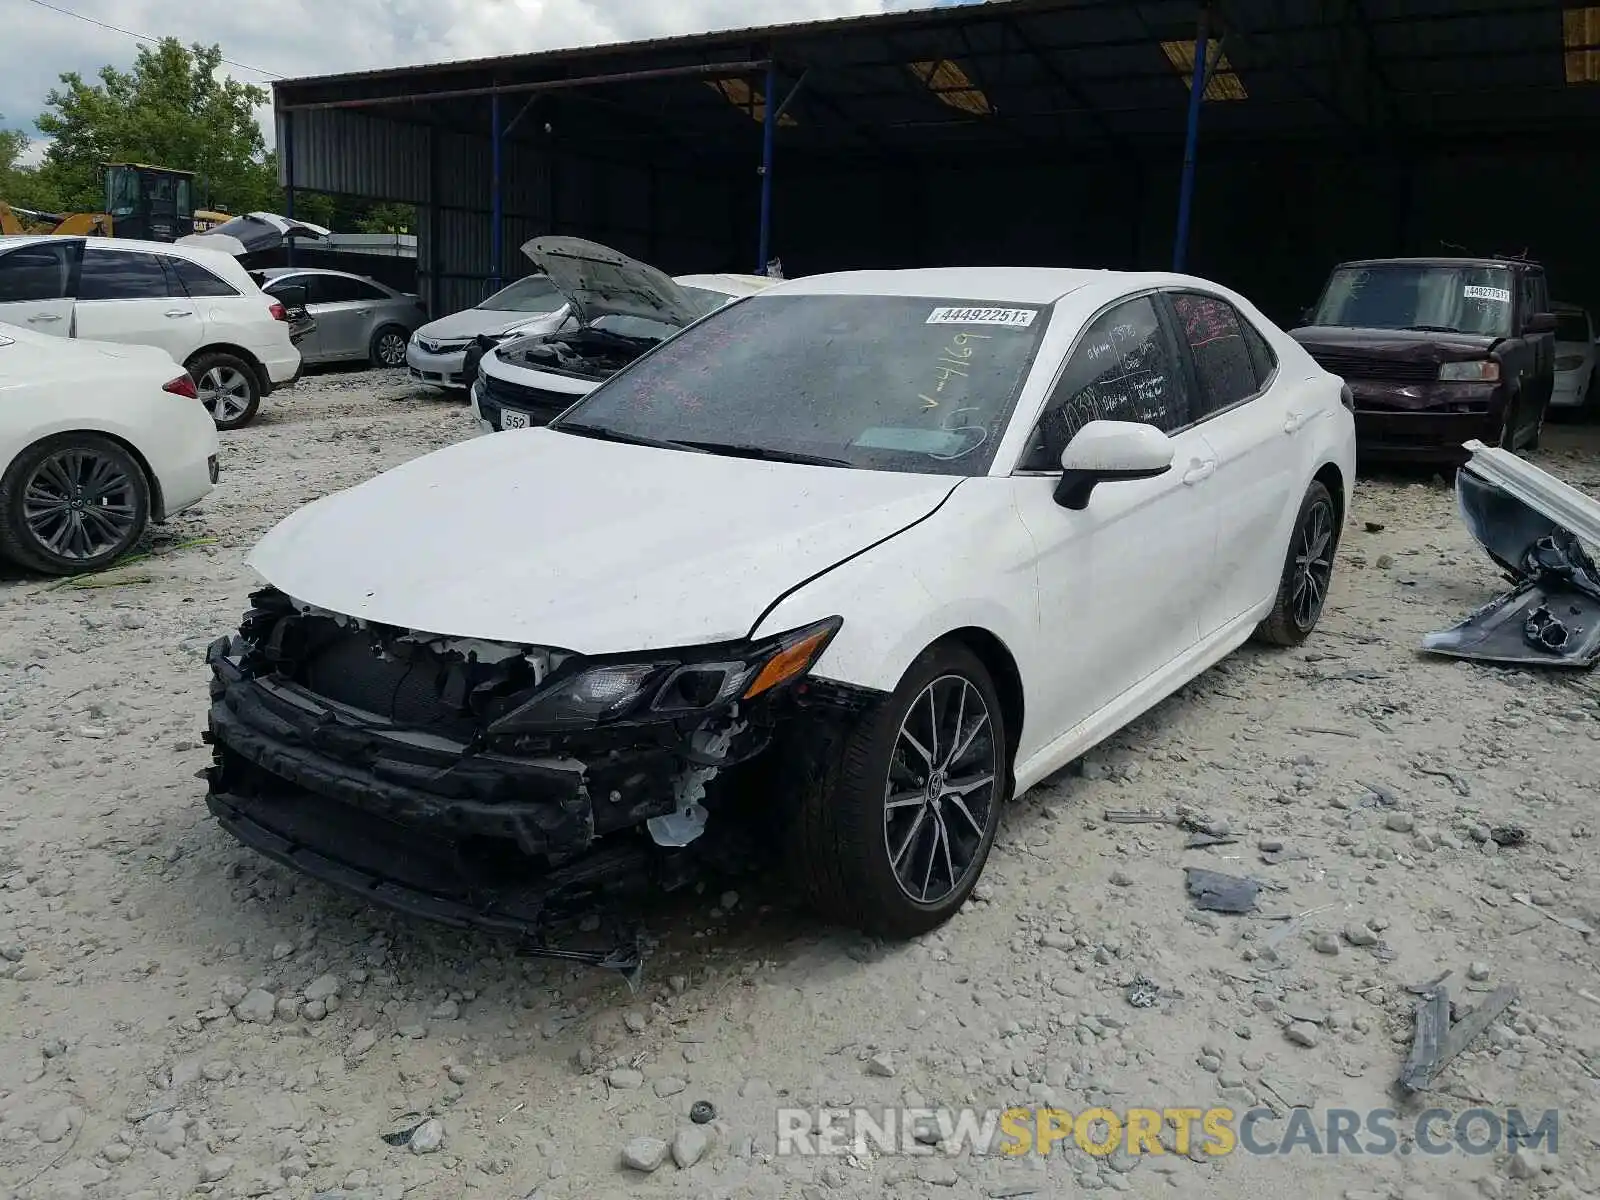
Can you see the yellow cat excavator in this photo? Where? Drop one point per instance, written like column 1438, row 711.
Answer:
column 152, row 203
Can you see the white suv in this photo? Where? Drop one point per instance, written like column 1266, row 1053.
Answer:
column 198, row 305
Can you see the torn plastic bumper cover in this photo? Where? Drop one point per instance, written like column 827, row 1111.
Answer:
column 1536, row 529
column 478, row 784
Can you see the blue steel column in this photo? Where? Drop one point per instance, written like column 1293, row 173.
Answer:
column 497, row 231
column 769, row 137
column 288, row 176
column 1180, row 243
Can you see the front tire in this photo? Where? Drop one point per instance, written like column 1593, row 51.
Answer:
column 894, row 815
column 1307, row 571
column 71, row 504
column 228, row 387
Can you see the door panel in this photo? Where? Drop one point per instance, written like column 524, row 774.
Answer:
column 128, row 296
column 1257, row 424
column 36, row 286
column 1119, row 580
column 344, row 309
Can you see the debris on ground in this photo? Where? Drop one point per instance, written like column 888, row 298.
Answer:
column 1143, row 992
column 1214, row 891
column 1436, row 1043
column 1571, row 923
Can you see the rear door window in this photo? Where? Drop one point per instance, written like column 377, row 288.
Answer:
column 1225, row 363
column 123, row 275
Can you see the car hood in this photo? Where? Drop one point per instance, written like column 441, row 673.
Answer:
column 599, row 281
column 469, row 323
column 536, row 537
column 1407, row 345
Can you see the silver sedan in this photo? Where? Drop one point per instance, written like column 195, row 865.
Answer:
column 357, row 317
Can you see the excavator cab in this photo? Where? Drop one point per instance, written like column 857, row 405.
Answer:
column 152, row 203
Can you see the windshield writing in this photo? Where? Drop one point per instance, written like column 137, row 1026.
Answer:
column 1421, row 296
column 881, row 382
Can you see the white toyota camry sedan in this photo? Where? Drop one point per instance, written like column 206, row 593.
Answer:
column 865, row 555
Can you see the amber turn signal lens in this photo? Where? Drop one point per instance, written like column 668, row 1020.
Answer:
column 787, row 664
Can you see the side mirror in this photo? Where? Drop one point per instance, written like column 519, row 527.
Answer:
column 1110, row 452
column 1540, row 323
column 291, row 295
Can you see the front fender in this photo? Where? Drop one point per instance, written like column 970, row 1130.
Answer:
column 972, row 564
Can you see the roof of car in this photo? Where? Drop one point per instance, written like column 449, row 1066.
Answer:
column 1024, row 285
column 280, row 272
column 1442, row 260
column 728, row 283
column 116, row 243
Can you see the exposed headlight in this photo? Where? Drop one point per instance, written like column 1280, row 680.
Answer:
column 667, row 688
column 1483, row 371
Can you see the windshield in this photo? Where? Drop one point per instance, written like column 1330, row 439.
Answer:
column 530, row 294
column 892, row 383
column 705, row 299
column 636, row 327
column 1424, row 296
column 1572, row 327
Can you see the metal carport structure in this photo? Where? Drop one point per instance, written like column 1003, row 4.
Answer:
column 1023, row 131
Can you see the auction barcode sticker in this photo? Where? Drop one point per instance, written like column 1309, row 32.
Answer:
column 1503, row 295
column 1017, row 318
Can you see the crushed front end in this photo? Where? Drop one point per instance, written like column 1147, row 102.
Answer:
column 481, row 784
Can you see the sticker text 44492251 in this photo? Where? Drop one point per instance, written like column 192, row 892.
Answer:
column 1017, row 318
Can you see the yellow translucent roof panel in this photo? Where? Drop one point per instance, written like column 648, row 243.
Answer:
column 946, row 80
column 742, row 96
column 1580, row 34
column 1225, row 82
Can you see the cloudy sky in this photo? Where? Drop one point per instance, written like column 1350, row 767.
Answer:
column 311, row 37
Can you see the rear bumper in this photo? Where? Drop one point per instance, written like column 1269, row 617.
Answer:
column 1425, row 422
column 281, row 372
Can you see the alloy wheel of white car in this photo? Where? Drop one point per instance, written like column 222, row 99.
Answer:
column 227, row 389
column 73, row 502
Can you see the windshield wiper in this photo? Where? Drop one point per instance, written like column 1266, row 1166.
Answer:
column 1433, row 329
column 767, row 454
column 600, row 433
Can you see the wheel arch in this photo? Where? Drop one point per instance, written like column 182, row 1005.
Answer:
column 1330, row 477
column 247, row 357
column 158, row 502
column 1001, row 664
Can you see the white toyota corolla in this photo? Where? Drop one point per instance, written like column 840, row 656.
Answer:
column 865, row 555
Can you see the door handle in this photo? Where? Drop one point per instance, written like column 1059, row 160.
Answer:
column 180, row 312
column 1199, row 470
column 363, row 312
column 1294, row 422
column 44, row 318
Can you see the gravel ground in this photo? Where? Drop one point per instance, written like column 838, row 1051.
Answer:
column 178, row 1017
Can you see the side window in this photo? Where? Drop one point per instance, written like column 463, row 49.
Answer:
column 336, row 289
column 1262, row 356
column 1224, row 366
column 36, row 272
column 197, row 281
column 121, row 275
column 1121, row 370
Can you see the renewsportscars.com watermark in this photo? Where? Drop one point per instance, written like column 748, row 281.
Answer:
column 1216, row 1132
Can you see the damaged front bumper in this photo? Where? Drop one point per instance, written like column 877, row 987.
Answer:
column 416, row 773
column 1538, row 530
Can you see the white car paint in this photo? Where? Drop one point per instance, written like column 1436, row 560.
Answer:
column 1103, row 611
column 51, row 385
column 1575, row 359
column 179, row 324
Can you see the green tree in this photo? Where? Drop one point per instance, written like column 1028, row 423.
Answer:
column 21, row 186
column 173, row 109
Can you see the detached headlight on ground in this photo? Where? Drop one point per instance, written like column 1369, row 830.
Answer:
column 668, row 688
column 1470, row 372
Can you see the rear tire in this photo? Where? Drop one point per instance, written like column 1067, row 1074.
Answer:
column 71, row 504
column 1307, row 571
column 893, row 815
column 388, row 348
column 228, row 386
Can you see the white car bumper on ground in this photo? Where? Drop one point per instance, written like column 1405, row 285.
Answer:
column 437, row 363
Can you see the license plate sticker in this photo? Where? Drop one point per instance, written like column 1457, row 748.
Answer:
column 1016, row 318
column 1498, row 295
column 511, row 419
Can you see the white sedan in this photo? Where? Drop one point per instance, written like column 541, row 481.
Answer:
column 96, row 441
column 866, row 554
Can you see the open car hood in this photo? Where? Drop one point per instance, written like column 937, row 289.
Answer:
column 1541, row 532
column 599, row 282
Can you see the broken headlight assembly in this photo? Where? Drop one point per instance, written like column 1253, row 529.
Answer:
column 666, row 687
column 1482, row 371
